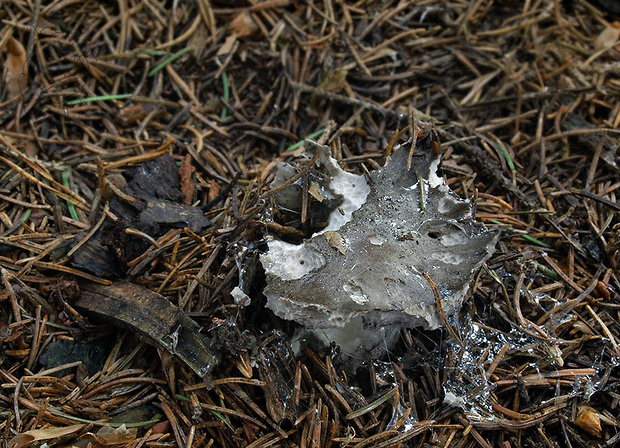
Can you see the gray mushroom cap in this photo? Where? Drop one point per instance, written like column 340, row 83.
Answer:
column 369, row 262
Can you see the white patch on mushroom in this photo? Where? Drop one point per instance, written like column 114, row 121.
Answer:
column 435, row 181
column 355, row 190
column 288, row 261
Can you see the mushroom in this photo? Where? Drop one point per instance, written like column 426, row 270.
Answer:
column 371, row 265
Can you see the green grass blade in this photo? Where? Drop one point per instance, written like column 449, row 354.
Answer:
column 70, row 206
column 548, row 272
column 99, row 98
column 533, row 240
column 309, row 137
column 156, row 419
column 170, row 59
column 17, row 225
column 226, row 89
column 152, row 52
column 526, row 237
column 511, row 164
column 501, row 224
column 220, row 417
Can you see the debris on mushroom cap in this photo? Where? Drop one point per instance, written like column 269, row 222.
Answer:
column 390, row 232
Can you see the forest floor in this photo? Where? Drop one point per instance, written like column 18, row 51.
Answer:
column 106, row 106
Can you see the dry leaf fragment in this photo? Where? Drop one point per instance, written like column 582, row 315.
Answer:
column 314, row 191
column 214, row 191
column 108, row 436
column 608, row 37
column 242, row 25
column 589, row 420
column 335, row 240
column 335, row 81
column 31, row 148
column 186, row 172
column 229, row 46
column 28, row 438
column 199, row 41
column 161, row 427
column 130, row 115
column 16, row 67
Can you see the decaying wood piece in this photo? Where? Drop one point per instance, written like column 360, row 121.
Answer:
column 153, row 316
